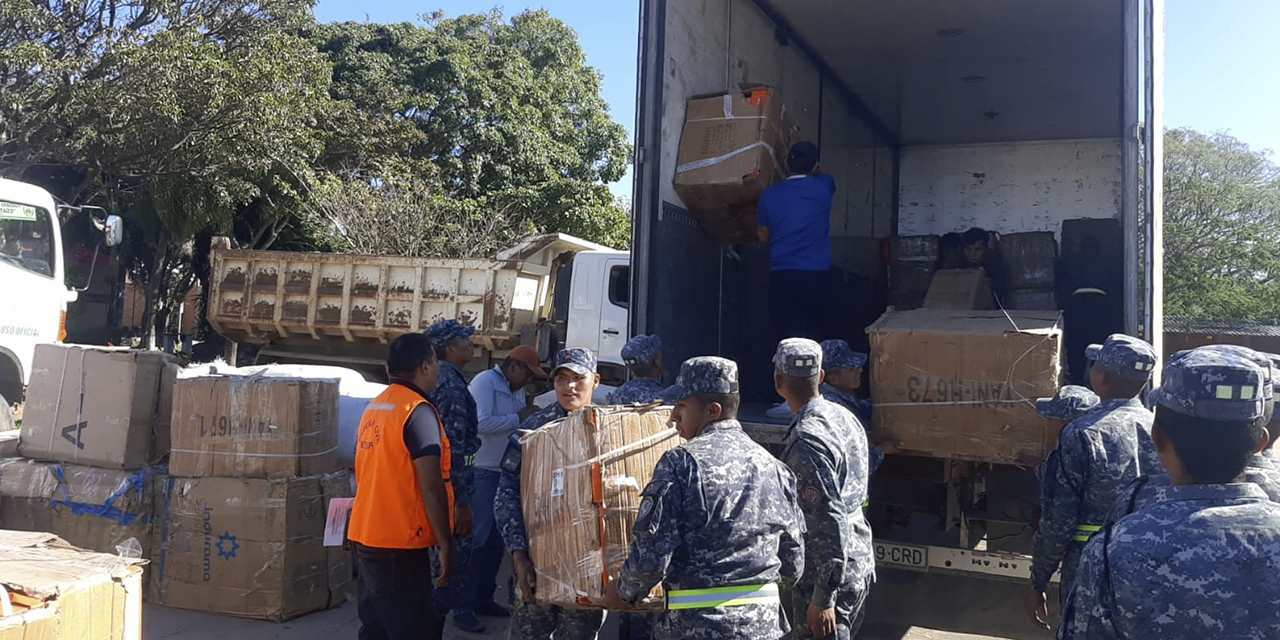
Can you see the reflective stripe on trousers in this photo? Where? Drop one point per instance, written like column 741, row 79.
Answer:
column 1086, row 531
column 722, row 597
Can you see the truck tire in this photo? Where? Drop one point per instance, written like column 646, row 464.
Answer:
column 6, row 415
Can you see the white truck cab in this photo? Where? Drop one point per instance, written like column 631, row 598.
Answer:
column 32, row 282
column 599, row 301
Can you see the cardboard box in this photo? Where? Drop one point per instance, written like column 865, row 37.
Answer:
column 96, row 509
column 581, row 481
column 59, row 592
column 966, row 289
column 247, row 547
column 1033, row 300
column 963, row 384
column 912, row 263
column 1029, row 258
column 9, row 444
column 96, row 406
column 732, row 148
column 254, row 427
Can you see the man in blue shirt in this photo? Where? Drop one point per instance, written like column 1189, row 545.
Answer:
column 794, row 219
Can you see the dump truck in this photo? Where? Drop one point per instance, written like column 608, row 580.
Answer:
column 933, row 116
column 550, row 290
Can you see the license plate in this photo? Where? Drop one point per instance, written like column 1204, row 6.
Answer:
column 902, row 555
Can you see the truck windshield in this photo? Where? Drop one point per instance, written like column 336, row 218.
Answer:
column 26, row 238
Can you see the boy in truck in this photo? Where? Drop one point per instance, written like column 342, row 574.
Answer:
column 1098, row 455
column 1203, row 560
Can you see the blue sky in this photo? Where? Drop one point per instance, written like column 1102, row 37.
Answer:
column 1220, row 71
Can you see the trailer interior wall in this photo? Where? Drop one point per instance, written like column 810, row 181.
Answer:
column 1008, row 187
column 715, row 45
column 1005, row 113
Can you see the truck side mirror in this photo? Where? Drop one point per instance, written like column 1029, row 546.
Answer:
column 113, row 231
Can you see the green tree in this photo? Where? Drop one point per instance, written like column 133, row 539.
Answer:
column 505, row 115
column 174, row 113
column 1221, row 228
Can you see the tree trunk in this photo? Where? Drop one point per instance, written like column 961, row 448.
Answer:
column 154, row 290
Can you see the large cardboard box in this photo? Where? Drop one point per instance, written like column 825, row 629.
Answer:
column 581, row 480
column 254, row 427
column 1033, row 300
column 912, row 263
column 59, row 592
column 97, row 406
column 959, row 289
column 248, row 547
column 963, row 384
column 103, row 510
column 1029, row 259
column 733, row 147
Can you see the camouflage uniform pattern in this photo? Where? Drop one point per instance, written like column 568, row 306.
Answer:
column 719, row 511
column 528, row 620
column 638, row 391
column 1071, row 402
column 1198, row 561
column 641, row 350
column 837, row 354
column 1098, row 455
column 824, row 450
column 1264, row 471
column 457, row 409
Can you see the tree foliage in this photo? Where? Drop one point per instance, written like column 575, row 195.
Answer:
column 1221, row 228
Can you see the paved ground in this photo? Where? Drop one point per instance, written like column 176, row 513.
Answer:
column 903, row 606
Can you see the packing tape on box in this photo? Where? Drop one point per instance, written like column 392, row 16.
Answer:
column 244, row 454
column 621, row 451
column 707, row 162
column 107, row 509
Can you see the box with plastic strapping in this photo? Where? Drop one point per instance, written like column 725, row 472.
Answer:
column 59, row 592
column 581, row 480
column 254, row 427
column 963, row 384
column 103, row 510
column 732, row 148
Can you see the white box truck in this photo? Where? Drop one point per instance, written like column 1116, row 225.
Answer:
column 933, row 116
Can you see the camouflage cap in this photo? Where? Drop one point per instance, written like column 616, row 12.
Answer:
column 446, row 331
column 641, row 350
column 1125, row 356
column 1213, row 385
column 798, row 358
column 1071, row 402
column 1263, row 360
column 578, row 360
column 705, row 374
column 837, row 354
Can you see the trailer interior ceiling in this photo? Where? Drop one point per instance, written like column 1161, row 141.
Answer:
column 940, row 72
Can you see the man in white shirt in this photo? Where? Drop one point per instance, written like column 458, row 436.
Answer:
column 501, row 406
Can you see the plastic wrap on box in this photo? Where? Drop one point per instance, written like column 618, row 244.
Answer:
column 581, row 481
column 1030, row 259
column 254, row 427
column 102, row 510
column 963, row 384
column 249, row 547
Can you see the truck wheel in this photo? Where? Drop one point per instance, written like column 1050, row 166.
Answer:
column 6, row 416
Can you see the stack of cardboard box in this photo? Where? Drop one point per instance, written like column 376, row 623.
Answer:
column 253, row 464
column 1030, row 259
column 95, row 425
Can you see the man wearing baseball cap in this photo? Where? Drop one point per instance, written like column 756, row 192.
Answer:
column 643, row 357
column 500, row 407
column 1071, row 402
column 575, row 380
column 1203, row 561
column 451, row 341
column 1097, row 456
column 718, row 525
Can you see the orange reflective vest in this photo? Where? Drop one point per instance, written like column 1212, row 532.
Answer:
column 388, row 511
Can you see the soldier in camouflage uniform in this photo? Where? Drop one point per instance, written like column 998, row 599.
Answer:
column 842, row 368
column 825, row 450
column 457, row 409
column 1203, row 561
column 1070, row 403
column 643, row 357
column 575, row 380
column 718, row 524
column 1262, row 468
column 1098, row 455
